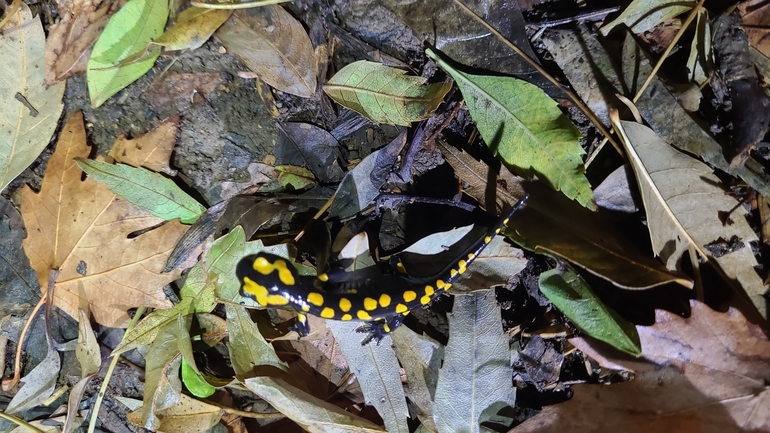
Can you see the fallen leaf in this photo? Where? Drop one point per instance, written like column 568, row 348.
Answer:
column 274, row 45
column 377, row 371
column 384, row 94
column 473, row 385
column 306, row 145
column 756, row 15
column 311, row 413
column 189, row 415
column 69, row 42
column 38, row 384
column 162, row 385
column 682, row 198
column 421, row 358
column 571, row 294
column 615, row 193
column 295, row 177
column 81, row 229
column 247, row 347
column 127, row 34
column 175, row 92
column 29, row 110
column 151, row 150
column 525, row 128
column 706, row 373
column 193, row 27
column 145, row 189
column 643, row 15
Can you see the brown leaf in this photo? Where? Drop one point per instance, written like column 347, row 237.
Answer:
column 151, row 150
column 81, row 228
column 274, row 45
column 69, row 42
column 706, row 373
column 175, row 92
column 756, row 15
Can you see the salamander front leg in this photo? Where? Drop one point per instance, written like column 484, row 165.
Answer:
column 378, row 329
column 301, row 325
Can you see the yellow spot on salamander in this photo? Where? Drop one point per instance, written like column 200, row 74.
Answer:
column 327, row 313
column 345, row 305
column 301, row 318
column 488, row 239
column 425, row 300
column 256, row 291
column 370, row 304
column 363, row 315
column 453, row 273
column 276, row 300
column 410, row 296
column 440, row 284
column 400, row 267
column 429, row 290
column 461, row 266
column 264, row 267
column 471, row 256
column 384, row 300
column 305, row 307
column 323, row 277
column 315, row 298
column 385, row 327
column 346, row 317
column 505, row 222
column 497, row 231
column 447, row 286
column 401, row 308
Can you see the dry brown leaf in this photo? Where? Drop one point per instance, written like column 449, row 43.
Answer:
column 756, row 15
column 151, row 150
column 274, row 45
column 69, row 42
column 81, row 228
column 706, row 373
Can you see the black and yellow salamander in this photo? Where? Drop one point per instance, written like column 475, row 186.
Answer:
column 381, row 300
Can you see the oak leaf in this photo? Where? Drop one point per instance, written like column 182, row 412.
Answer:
column 81, row 229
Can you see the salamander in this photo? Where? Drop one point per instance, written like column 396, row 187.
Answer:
column 382, row 301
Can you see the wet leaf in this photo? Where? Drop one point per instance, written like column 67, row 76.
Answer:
column 362, row 184
column 643, row 15
column 377, row 370
column 274, row 45
column 311, row 413
column 145, row 189
column 89, row 245
column 682, row 198
column 29, row 111
column 384, row 94
column 193, row 27
column 522, row 125
column 473, row 385
column 570, row 293
column 126, row 35
column 705, row 373
column 306, row 145
column 551, row 224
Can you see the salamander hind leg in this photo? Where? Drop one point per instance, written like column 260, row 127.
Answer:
column 301, row 326
column 378, row 329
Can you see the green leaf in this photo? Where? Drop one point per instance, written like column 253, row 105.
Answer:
column 294, row 176
column 195, row 382
column 520, row 123
column 127, row 34
column 572, row 296
column 248, row 348
column 145, row 189
column 384, row 94
column 475, row 381
column 643, row 15
column 193, row 28
column 24, row 133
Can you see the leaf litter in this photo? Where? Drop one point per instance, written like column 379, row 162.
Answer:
column 550, row 224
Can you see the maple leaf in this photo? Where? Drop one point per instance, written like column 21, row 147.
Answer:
column 706, row 373
column 80, row 228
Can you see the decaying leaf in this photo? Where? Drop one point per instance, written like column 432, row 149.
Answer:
column 125, row 37
column 306, row 145
column 642, row 15
column 175, row 92
column 755, row 14
column 707, row 373
column 38, row 384
column 81, row 229
column 384, row 94
column 522, row 125
column 29, row 111
column 151, row 150
column 682, row 197
column 69, row 42
column 274, row 45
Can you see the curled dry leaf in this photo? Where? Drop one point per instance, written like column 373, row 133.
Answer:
column 81, row 228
